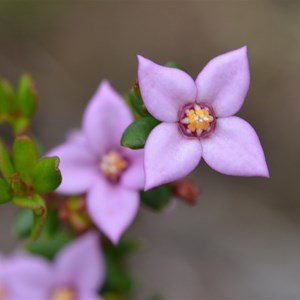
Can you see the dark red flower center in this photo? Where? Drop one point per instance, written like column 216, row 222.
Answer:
column 197, row 120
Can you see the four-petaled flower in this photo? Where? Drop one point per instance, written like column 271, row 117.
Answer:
column 77, row 272
column 197, row 120
column 93, row 162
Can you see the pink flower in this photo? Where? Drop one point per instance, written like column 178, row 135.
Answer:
column 77, row 273
column 197, row 120
column 93, row 162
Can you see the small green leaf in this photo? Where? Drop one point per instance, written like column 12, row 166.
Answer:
column 117, row 278
column 6, row 97
column 6, row 166
column 46, row 175
column 26, row 98
column 172, row 64
column 136, row 134
column 5, row 195
column 137, row 104
column 48, row 246
column 157, row 198
column 52, row 223
column 37, row 204
column 23, row 223
column 25, row 157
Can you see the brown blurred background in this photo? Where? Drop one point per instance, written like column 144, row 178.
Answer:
column 242, row 239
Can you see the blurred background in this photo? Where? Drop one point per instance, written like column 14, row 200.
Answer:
column 242, row 239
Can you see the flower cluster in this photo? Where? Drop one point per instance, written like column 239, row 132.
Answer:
column 181, row 121
column 196, row 121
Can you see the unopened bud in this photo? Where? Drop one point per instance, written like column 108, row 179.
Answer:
column 73, row 213
column 186, row 191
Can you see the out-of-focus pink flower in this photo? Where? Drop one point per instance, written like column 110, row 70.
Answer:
column 77, row 273
column 197, row 120
column 93, row 162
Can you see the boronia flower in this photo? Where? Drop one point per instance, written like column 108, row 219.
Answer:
column 77, row 273
column 93, row 162
column 197, row 120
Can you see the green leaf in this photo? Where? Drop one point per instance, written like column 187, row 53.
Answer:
column 23, row 223
column 52, row 223
column 48, row 246
column 117, row 278
column 25, row 157
column 37, row 204
column 112, row 296
column 136, row 134
column 46, row 175
column 5, row 195
column 26, row 98
column 123, row 249
column 6, row 166
column 137, row 104
column 172, row 64
column 6, row 97
column 24, row 220
column 157, row 198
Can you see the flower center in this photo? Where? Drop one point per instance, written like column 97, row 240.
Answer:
column 63, row 293
column 112, row 165
column 197, row 120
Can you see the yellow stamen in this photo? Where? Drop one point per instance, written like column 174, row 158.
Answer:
column 63, row 293
column 112, row 165
column 197, row 119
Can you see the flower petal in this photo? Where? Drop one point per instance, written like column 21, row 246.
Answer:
column 224, row 82
column 105, row 119
column 77, row 136
column 234, row 149
column 164, row 90
column 78, row 167
column 88, row 296
column 28, row 277
column 169, row 155
column 81, row 264
column 112, row 208
column 133, row 177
